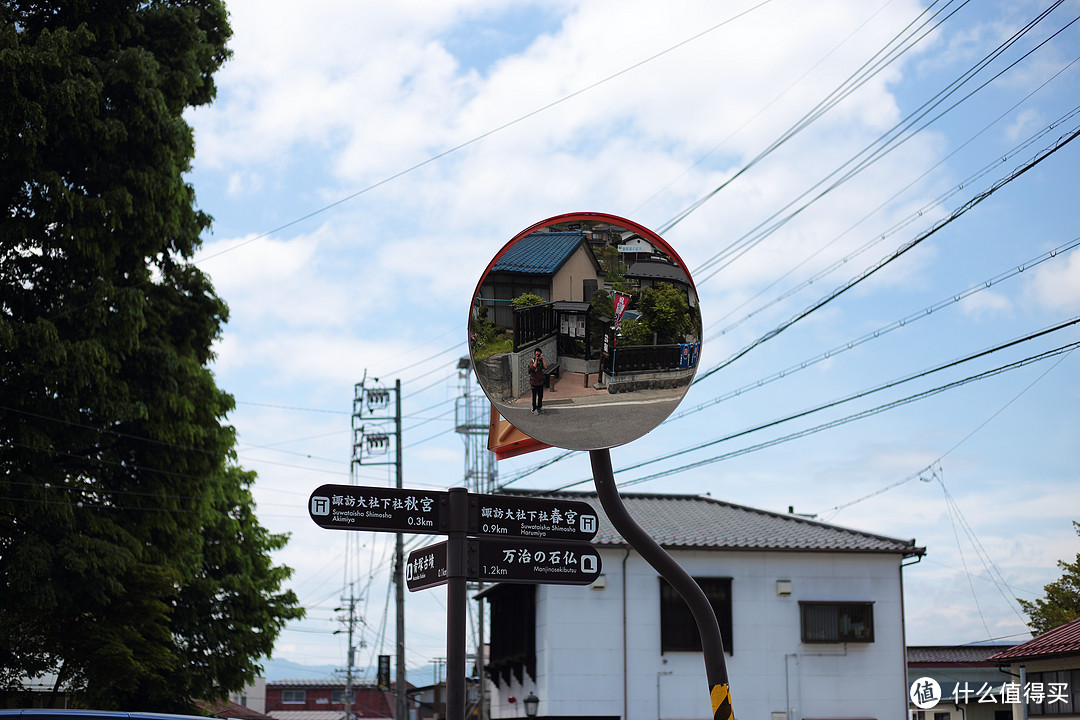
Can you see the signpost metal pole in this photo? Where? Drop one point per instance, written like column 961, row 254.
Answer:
column 711, row 641
column 456, row 572
column 401, row 694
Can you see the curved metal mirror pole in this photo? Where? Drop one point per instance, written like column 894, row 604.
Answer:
column 712, row 644
column 661, row 347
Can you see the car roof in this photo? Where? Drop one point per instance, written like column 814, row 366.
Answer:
column 71, row 714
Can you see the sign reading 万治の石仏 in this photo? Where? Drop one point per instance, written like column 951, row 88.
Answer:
column 353, row 507
column 547, row 562
column 532, row 517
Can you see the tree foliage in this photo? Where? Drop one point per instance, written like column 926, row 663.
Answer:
column 131, row 562
column 1062, row 601
column 525, row 300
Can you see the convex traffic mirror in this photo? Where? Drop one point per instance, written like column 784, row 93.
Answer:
column 585, row 331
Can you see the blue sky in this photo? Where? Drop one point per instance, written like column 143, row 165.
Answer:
column 363, row 163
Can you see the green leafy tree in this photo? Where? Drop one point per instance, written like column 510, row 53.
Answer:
column 611, row 262
column 526, row 300
column 1062, row 601
column 666, row 312
column 131, row 561
column 601, row 311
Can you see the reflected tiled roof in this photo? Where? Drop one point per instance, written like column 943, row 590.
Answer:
column 696, row 521
column 652, row 270
column 539, row 253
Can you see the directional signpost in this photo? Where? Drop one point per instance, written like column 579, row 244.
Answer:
column 426, row 567
column 496, row 538
column 529, row 517
column 351, row 507
column 531, row 561
column 515, row 561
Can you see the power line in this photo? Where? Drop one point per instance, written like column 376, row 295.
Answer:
column 855, row 416
column 886, row 143
column 832, row 353
column 896, row 227
column 882, row 331
column 847, row 87
column 761, row 111
column 484, row 135
column 867, row 392
column 836, row 510
column 902, row 250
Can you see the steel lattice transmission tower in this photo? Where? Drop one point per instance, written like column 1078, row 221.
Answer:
column 472, row 416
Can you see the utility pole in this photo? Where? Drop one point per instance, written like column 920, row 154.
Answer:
column 401, row 711
column 351, row 624
column 371, row 446
column 471, row 419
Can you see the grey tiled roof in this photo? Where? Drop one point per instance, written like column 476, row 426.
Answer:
column 952, row 654
column 652, row 270
column 698, row 521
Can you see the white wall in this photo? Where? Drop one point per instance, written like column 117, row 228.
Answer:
column 580, row 643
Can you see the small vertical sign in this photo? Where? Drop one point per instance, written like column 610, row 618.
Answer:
column 384, row 672
column 621, row 301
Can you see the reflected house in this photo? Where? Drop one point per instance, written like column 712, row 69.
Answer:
column 650, row 273
column 633, row 248
column 552, row 265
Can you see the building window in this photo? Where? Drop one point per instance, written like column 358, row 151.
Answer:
column 1053, row 693
column 837, row 622
column 513, row 633
column 292, row 696
column 338, row 697
column 678, row 630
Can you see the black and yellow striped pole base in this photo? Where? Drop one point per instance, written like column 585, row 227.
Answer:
column 712, row 643
column 721, row 703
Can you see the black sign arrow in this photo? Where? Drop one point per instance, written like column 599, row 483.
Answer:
column 426, row 567
column 530, row 561
column 531, row 517
column 354, row 507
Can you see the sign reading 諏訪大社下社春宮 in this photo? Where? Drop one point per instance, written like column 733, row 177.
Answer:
column 532, row 517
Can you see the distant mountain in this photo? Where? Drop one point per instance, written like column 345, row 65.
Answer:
column 277, row 669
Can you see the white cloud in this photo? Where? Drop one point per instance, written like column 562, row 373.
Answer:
column 1057, row 283
column 986, row 303
column 343, row 95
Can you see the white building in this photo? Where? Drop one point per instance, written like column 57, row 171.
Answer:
column 812, row 617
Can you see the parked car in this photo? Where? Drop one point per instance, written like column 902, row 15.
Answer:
column 45, row 714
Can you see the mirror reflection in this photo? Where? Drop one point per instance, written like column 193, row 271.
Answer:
column 585, row 331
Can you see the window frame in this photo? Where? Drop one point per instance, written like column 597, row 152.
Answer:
column 286, row 693
column 678, row 630
column 867, row 606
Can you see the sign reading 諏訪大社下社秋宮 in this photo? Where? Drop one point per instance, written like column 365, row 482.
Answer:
column 353, row 507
